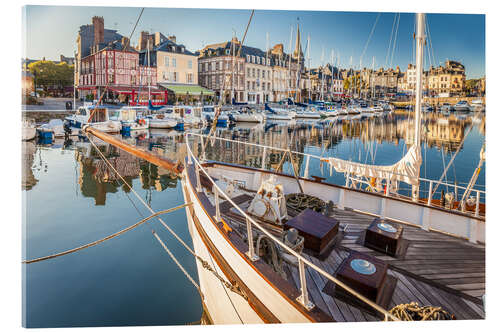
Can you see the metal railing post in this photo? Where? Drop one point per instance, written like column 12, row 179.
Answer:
column 429, row 199
column 478, row 196
column 306, row 169
column 190, row 158
column 198, row 182
column 263, row 163
column 304, row 296
column 251, row 251
column 217, row 204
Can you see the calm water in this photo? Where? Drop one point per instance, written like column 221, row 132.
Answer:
column 70, row 198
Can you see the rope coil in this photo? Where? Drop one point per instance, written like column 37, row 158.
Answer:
column 413, row 312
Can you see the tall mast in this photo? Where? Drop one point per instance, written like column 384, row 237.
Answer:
column 149, row 73
column 418, row 93
column 309, row 64
column 322, row 71
column 232, row 67
column 331, row 62
column 290, row 63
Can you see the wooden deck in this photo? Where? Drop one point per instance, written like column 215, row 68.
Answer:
column 437, row 270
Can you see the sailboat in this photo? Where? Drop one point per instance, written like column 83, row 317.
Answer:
column 289, row 247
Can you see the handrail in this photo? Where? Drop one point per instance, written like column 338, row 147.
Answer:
column 321, row 158
column 299, row 257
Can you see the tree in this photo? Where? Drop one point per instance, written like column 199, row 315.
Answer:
column 48, row 74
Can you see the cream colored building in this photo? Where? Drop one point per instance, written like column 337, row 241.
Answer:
column 174, row 63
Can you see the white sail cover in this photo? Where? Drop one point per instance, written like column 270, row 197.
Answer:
column 405, row 170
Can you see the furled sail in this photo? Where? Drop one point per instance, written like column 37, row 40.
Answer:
column 405, row 170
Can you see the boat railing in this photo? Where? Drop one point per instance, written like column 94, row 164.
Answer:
column 427, row 187
column 251, row 223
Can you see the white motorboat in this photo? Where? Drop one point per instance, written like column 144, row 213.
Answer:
column 248, row 116
column 279, row 113
column 54, row 128
column 161, row 120
column 28, row 129
column 208, row 114
column 127, row 115
column 100, row 119
column 446, row 107
column 477, row 105
column 462, row 106
column 308, row 114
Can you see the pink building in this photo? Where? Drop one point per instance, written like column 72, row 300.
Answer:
column 119, row 71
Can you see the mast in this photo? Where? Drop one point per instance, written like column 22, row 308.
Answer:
column 290, row 64
column 74, row 82
column 420, row 38
column 322, row 72
column 149, row 72
column 309, row 65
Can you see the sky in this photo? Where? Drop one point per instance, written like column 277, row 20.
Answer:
column 357, row 39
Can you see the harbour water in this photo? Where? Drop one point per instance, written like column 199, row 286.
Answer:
column 71, row 198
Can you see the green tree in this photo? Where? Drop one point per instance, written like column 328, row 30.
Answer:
column 48, row 74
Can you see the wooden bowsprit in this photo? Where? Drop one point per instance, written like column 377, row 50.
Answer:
column 175, row 167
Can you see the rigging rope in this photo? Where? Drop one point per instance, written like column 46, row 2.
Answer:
column 60, row 254
column 390, row 40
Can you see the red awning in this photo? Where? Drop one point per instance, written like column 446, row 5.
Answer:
column 127, row 90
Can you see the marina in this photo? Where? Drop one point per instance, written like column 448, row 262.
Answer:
column 234, row 185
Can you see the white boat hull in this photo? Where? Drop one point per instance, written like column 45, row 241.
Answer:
column 28, row 133
column 223, row 305
column 165, row 123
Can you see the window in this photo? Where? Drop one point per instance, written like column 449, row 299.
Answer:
column 174, row 62
column 253, row 72
column 166, row 61
column 253, row 59
column 190, row 64
column 258, row 72
column 189, row 77
column 175, row 76
column 248, row 58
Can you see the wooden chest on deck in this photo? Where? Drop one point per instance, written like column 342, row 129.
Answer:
column 369, row 285
column 383, row 236
column 318, row 230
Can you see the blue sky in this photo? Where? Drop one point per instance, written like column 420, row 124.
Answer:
column 52, row 30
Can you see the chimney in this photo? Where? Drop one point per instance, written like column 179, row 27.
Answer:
column 125, row 41
column 173, row 39
column 98, row 23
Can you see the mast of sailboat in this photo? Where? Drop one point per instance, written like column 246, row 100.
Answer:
column 331, row 66
column 322, row 72
column 308, row 50
column 290, row 63
column 420, row 39
column 149, row 72
column 74, row 82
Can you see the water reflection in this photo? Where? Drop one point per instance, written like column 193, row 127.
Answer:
column 376, row 139
column 96, row 178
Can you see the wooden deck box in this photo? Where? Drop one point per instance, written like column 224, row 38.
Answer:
column 369, row 285
column 317, row 229
column 383, row 236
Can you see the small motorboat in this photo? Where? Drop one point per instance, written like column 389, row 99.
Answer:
column 100, row 119
column 28, row 129
column 54, row 128
column 462, row 106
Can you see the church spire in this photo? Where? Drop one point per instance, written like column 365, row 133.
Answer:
column 298, row 48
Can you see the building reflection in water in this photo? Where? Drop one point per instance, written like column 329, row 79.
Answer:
column 96, row 178
column 439, row 131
